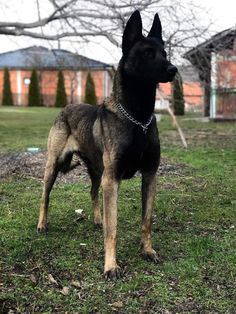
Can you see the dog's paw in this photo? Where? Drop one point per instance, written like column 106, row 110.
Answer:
column 98, row 224
column 151, row 255
column 114, row 273
column 41, row 228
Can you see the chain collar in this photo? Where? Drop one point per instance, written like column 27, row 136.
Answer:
column 144, row 126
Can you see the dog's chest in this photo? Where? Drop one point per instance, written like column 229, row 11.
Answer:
column 130, row 156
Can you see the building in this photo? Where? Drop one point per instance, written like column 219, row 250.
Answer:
column 223, row 85
column 192, row 89
column 215, row 61
column 47, row 63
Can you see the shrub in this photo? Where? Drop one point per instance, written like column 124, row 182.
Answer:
column 177, row 95
column 61, row 99
column 90, row 94
column 34, row 97
column 7, row 99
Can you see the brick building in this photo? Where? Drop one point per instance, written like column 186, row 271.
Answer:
column 215, row 61
column 223, row 85
column 47, row 63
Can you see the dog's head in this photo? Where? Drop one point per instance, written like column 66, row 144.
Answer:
column 145, row 57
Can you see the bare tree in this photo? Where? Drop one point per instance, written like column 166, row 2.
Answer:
column 84, row 19
column 185, row 24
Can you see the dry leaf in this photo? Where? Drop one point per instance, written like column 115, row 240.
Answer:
column 76, row 284
column 79, row 211
column 65, row 291
column 117, row 304
column 52, row 280
column 80, row 215
column 33, row 278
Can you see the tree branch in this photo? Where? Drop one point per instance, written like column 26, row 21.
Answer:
column 86, row 18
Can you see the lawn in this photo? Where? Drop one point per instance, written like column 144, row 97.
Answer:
column 25, row 127
column 194, row 230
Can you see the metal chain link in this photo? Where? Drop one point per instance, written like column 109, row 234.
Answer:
column 144, row 126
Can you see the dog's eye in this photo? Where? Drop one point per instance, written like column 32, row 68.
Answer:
column 149, row 53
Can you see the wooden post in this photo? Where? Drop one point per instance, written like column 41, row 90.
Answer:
column 175, row 123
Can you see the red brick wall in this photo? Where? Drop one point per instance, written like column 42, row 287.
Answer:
column 193, row 92
column 24, row 88
column 48, row 83
column 226, row 73
column 225, row 77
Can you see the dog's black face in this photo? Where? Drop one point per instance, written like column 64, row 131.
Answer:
column 145, row 57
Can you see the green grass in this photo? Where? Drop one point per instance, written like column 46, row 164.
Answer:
column 25, row 127
column 194, row 230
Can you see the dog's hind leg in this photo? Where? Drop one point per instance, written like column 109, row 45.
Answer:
column 96, row 181
column 59, row 157
column 148, row 197
column 50, row 175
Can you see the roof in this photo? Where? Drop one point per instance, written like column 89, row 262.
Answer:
column 43, row 58
column 220, row 41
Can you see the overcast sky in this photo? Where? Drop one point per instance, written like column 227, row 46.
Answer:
column 223, row 13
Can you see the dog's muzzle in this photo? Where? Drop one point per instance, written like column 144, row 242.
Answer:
column 171, row 69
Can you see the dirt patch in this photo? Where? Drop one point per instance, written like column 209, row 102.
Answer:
column 31, row 165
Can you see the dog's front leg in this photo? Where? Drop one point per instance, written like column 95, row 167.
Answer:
column 148, row 197
column 110, row 193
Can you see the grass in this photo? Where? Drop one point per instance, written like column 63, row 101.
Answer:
column 193, row 229
column 25, row 127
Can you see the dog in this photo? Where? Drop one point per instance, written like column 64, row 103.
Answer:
column 116, row 139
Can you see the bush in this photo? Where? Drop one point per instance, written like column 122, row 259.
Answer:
column 34, row 97
column 7, row 99
column 61, row 99
column 177, row 95
column 90, row 94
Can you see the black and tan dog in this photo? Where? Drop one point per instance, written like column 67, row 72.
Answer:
column 117, row 138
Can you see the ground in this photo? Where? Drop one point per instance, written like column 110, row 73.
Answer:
column 194, row 227
column 32, row 165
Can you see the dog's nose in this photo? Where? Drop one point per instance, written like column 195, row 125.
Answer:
column 171, row 69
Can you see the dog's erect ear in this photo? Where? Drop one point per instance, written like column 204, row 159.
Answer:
column 132, row 32
column 156, row 29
